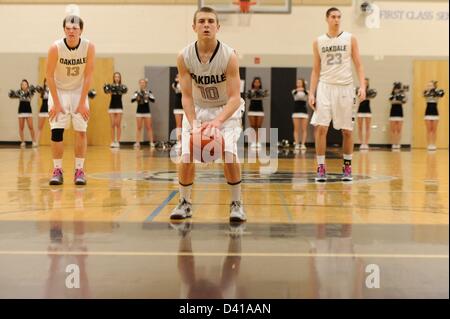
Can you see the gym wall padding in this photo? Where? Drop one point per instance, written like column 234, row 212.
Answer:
column 159, row 83
column 283, row 81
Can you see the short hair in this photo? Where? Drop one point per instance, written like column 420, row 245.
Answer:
column 207, row 10
column 331, row 10
column 73, row 19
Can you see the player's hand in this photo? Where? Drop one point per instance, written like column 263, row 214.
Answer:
column 211, row 128
column 362, row 94
column 83, row 110
column 54, row 111
column 312, row 101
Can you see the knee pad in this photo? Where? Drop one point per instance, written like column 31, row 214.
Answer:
column 57, row 134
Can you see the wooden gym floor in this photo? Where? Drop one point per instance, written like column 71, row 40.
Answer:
column 302, row 239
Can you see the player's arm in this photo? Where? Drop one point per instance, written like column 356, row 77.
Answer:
column 359, row 69
column 88, row 75
column 187, row 100
column 314, row 76
column 233, row 91
column 52, row 60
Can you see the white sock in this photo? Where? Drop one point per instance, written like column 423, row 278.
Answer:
column 235, row 192
column 320, row 159
column 79, row 163
column 185, row 192
column 348, row 157
column 57, row 163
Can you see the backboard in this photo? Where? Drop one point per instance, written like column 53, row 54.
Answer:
column 248, row 6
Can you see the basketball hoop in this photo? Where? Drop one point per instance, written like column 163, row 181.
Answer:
column 245, row 6
column 245, row 12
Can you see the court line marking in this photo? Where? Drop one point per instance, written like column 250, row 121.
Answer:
column 160, row 207
column 285, row 205
column 216, row 254
column 384, row 209
column 262, row 189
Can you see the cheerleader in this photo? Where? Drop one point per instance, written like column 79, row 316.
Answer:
column 397, row 99
column 432, row 95
column 300, row 114
column 256, row 111
column 364, row 116
column 116, row 89
column 143, row 97
column 43, row 111
column 25, row 113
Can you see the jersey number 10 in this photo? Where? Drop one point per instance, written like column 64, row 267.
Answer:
column 209, row 93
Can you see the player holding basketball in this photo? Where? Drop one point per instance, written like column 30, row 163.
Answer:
column 332, row 77
column 70, row 67
column 210, row 85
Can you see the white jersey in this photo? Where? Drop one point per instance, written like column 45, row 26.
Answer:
column 69, row 72
column 208, row 79
column 336, row 59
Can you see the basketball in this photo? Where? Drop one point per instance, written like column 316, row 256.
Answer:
column 204, row 148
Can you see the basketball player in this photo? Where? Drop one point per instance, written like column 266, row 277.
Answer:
column 70, row 67
column 332, row 78
column 210, row 86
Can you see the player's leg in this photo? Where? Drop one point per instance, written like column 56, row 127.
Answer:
column 186, row 175
column 232, row 172
column 321, row 120
column 232, row 168
column 57, row 126
column 80, row 155
column 80, row 127
column 342, row 109
column 347, row 144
